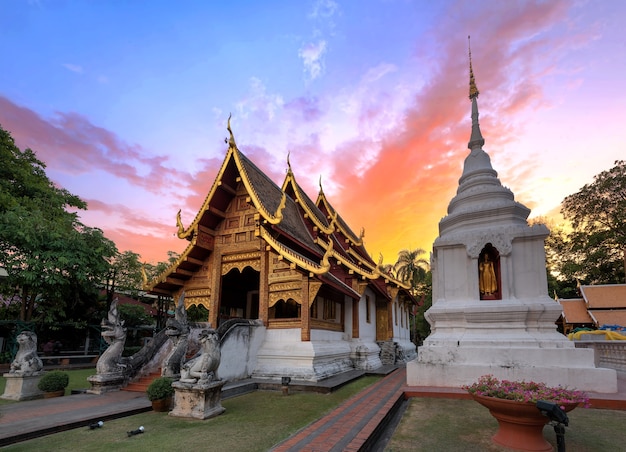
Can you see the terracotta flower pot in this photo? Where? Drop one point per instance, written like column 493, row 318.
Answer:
column 162, row 405
column 520, row 423
column 49, row 395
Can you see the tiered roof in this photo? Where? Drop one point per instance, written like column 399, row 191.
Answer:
column 310, row 235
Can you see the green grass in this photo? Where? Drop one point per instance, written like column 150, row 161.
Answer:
column 465, row 426
column 251, row 422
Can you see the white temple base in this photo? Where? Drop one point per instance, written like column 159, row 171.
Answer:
column 365, row 355
column 283, row 354
column 458, row 366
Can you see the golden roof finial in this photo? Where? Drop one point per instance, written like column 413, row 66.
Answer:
column 288, row 163
column 231, row 140
column 321, row 189
column 473, row 90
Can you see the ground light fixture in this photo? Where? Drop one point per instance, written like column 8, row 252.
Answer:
column 96, row 425
column 558, row 418
column 285, row 384
column 136, row 431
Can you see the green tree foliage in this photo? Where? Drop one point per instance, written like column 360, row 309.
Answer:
column 53, row 261
column 124, row 275
column 596, row 247
column 412, row 269
column 134, row 315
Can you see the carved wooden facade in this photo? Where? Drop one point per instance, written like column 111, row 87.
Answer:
column 261, row 251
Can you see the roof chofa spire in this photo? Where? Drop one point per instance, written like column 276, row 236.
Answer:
column 476, row 139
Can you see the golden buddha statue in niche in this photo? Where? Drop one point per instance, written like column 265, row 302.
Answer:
column 487, row 282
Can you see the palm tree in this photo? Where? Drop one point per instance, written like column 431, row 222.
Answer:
column 412, row 269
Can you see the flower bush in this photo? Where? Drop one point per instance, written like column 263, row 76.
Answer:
column 523, row 391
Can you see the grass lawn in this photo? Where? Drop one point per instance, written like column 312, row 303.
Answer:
column 465, row 426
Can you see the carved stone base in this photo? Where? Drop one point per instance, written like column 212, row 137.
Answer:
column 102, row 383
column 198, row 401
column 22, row 387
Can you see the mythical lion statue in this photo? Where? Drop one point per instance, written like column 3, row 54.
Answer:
column 203, row 368
column 26, row 361
column 177, row 329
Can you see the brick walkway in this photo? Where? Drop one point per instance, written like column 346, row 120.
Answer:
column 352, row 425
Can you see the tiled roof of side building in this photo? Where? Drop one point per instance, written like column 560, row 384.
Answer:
column 605, row 296
column 609, row 317
column 575, row 311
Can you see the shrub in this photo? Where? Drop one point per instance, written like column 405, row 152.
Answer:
column 53, row 381
column 160, row 388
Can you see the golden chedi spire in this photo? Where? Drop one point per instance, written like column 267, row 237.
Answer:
column 473, row 90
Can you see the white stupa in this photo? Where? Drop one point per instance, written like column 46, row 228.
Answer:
column 491, row 312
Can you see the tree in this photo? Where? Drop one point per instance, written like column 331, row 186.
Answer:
column 410, row 268
column 124, row 275
column 53, row 261
column 597, row 213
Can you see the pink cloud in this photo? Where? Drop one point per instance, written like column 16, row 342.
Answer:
column 71, row 144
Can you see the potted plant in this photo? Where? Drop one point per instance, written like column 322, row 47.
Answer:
column 53, row 383
column 160, row 393
column 514, row 405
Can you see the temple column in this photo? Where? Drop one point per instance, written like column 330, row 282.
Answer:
column 355, row 319
column 389, row 321
column 216, row 279
column 305, row 311
column 264, row 283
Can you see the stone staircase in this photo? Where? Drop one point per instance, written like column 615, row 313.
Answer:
column 387, row 352
column 142, row 383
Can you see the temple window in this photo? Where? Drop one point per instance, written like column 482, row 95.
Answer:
column 368, row 318
column 285, row 310
column 330, row 309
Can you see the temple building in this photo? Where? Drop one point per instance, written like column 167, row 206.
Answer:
column 268, row 253
column 491, row 313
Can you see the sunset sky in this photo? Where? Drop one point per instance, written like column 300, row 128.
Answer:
column 127, row 103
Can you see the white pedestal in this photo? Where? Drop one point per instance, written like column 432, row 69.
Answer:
column 22, row 387
column 198, row 400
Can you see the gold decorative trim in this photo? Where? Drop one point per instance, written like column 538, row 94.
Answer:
column 198, row 301
column 241, row 256
column 275, row 297
column 240, row 265
column 190, row 293
column 282, row 286
column 314, row 288
column 292, row 257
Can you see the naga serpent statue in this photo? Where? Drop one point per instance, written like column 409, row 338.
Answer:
column 26, row 361
column 114, row 333
column 177, row 330
column 202, row 369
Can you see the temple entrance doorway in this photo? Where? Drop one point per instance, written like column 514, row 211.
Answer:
column 382, row 321
column 239, row 295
